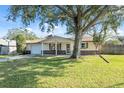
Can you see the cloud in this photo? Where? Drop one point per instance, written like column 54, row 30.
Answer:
column 120, row 32
column 29, row 29
column 56, row 27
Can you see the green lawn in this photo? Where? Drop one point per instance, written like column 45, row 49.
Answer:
column 88, row 72
column 3, row 56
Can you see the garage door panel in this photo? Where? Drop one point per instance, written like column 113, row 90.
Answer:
column 36, row 49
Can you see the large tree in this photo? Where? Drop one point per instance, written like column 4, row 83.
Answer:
column 13, row 33
column 78, row 19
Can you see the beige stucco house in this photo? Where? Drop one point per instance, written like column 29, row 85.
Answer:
column 7, row 46
column 58, row 46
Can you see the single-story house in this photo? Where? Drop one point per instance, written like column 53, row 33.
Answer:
column 58, row 46
column 7, row 46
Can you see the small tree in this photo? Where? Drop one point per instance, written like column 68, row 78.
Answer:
column 13, row 33
column 21, row 41
column 104, row 30
column 99, row 38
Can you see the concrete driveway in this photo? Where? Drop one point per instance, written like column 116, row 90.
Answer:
column 14, row 57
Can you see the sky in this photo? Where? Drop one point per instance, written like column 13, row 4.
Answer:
column 34, row 27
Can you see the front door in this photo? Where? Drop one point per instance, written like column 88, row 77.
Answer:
column 68, row 48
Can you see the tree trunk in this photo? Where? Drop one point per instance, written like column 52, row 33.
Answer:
column 76, row 48
column 78, row 31
column 78, row 34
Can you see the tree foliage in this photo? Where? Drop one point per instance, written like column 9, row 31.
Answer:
column 21, row 43
column 78, row 19
column 120, row 38
column 100, row 36
column 13, row 33
column 113, row 42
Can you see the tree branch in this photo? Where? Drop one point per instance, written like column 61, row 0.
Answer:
column 86, row 11
column 96, row 24
column 72, row 10
column 64, row 10
column 95, row 19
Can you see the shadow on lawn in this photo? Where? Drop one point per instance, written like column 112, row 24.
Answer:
column 11, row 74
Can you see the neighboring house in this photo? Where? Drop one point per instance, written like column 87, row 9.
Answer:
column 7, row 46
column 58, row 45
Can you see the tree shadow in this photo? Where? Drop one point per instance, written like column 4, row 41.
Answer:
column 103, row 58
column 17, row 80
column 13, row 75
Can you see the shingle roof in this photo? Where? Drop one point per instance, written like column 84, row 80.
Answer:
column 48, row 37
column 51, row 36
column 34, row 41
column 85, row 38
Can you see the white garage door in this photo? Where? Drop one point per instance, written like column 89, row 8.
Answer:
column 36, row 49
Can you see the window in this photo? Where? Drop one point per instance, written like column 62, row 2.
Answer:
column 68, row 48
column 84, row 45
column 51, row 46
column 59, row 46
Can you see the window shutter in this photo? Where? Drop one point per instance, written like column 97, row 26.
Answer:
column 87, row 45
column 49, row 46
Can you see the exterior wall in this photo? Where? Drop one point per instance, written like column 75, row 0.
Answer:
column 63, row 41
column 36, row 45
column 72, row 46
column 12, row 50
column 91, row 46
column 4, row 50
column 45, row 46
column 28, row 46
column 63, row 47
column 6, row 42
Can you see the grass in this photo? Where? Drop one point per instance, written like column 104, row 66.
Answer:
column 4, row 56
column 51, row 72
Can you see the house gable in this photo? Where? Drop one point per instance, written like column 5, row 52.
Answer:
column 51, row 38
